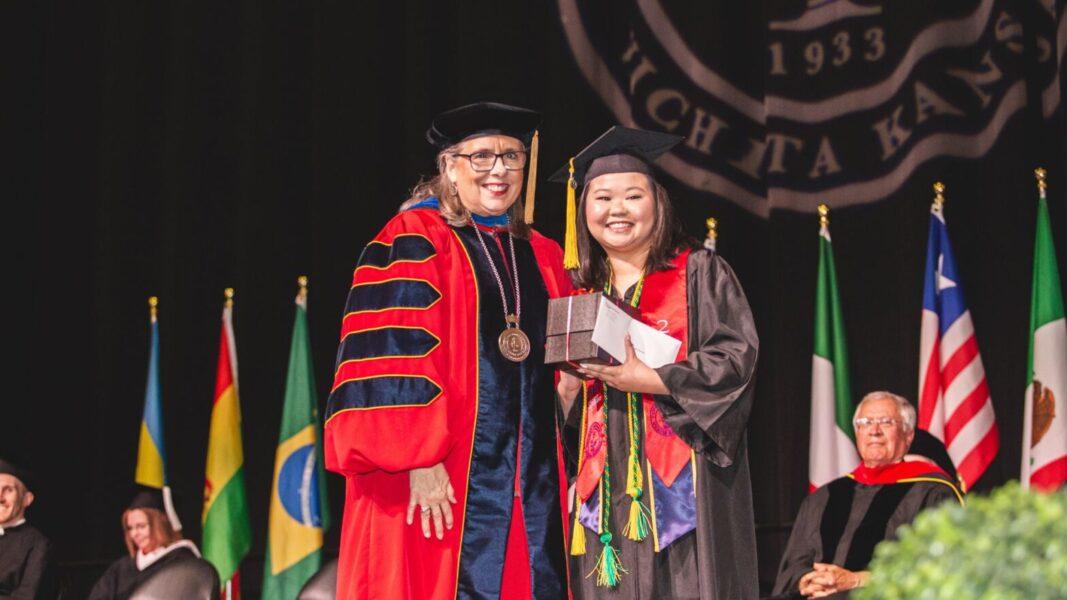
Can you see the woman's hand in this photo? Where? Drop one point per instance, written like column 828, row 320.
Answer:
column 631, row 376
column 432, row 493
column 568, row 389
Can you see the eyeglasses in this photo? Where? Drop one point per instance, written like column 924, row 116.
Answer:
column 481, row 162
column 865, row 422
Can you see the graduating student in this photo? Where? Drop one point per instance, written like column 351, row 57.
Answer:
column 442, row 416
column 153, row 544
column 840, row 523
column 27, row 569
column 662, row 492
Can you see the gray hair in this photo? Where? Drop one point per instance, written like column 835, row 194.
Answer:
column 904, row 408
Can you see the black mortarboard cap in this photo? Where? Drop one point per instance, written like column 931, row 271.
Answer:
column 619, row 150
column 482, row 118
column 19, row 472
column 159, row 499
column 146, row 497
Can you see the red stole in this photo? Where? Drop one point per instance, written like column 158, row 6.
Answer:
column 896, row 472
column 664, row 306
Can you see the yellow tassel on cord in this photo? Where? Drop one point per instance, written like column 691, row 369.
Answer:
column 578, row 538
column 570, row 237
column 637, row 526
column 531, row 181
column 608, row 566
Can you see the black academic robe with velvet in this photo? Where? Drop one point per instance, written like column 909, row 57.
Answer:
column 123, row 576
column 708, row 407
column 27, row 571
column 842, row 521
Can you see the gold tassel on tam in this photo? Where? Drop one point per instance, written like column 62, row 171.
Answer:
column 531, row 181
column 570, row 237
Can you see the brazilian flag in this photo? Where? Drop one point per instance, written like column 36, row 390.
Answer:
column 299, row 512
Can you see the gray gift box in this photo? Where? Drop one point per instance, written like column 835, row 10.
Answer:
column 577, row 316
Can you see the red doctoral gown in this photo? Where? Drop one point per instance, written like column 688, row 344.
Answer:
column 420, row 380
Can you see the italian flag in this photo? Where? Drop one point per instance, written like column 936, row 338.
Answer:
column 1044, row 463
column 227, row 532
column 832, row 447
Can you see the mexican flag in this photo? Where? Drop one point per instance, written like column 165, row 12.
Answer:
column 227, row 532
column 299, row 512
column 1044, row 463
column 832, row 447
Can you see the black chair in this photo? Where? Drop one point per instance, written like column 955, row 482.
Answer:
column 192, row 579
column 322, row 585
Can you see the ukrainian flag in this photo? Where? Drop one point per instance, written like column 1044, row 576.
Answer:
column 299, row 512
column 151, row 459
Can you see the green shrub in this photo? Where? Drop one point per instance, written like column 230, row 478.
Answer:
column 1010, row 544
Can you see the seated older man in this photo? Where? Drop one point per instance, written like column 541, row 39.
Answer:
column 840, row 523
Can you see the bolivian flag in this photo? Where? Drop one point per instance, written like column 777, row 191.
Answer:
column 299, row 512
column 227, row 533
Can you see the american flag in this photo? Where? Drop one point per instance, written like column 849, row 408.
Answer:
column 954, row 402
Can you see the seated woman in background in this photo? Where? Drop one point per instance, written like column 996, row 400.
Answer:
column 152, row 541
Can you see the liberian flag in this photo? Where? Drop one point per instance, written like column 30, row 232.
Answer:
column 954, row 402
column 832, row 446
column 1045, row 417
column 227, row 532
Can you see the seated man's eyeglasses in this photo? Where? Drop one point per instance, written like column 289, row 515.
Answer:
column 865, row 422
column 483, row 161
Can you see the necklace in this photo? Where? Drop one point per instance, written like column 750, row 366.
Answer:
column 514, row 344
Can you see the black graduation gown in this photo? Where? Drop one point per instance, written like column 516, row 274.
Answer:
column 27, row 570
column 710, row 400
column 859, row 516
column 122, row 577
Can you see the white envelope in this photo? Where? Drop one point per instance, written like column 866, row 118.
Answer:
column 654, row 348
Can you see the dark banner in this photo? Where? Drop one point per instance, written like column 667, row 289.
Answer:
column 789, row 105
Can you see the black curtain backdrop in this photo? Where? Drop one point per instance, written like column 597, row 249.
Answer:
column 175, row 149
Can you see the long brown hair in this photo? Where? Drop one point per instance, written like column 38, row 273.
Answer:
column 449, row 204
column 667, row 240
column 158, row 527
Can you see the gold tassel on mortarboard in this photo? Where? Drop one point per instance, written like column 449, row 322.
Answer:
column 570, row 237
column 531, row 181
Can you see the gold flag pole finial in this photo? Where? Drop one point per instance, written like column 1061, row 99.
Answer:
column 153, row 302
column 824, row 215
column 228, row 292
column 713, row 232
column 939, row 194
column 1042, row 185
column 302, row 281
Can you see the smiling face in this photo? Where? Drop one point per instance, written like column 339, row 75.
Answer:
column 140, row 531
column 878, row 444
column 488, row 193
column 14, row 498
column 620, row 212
